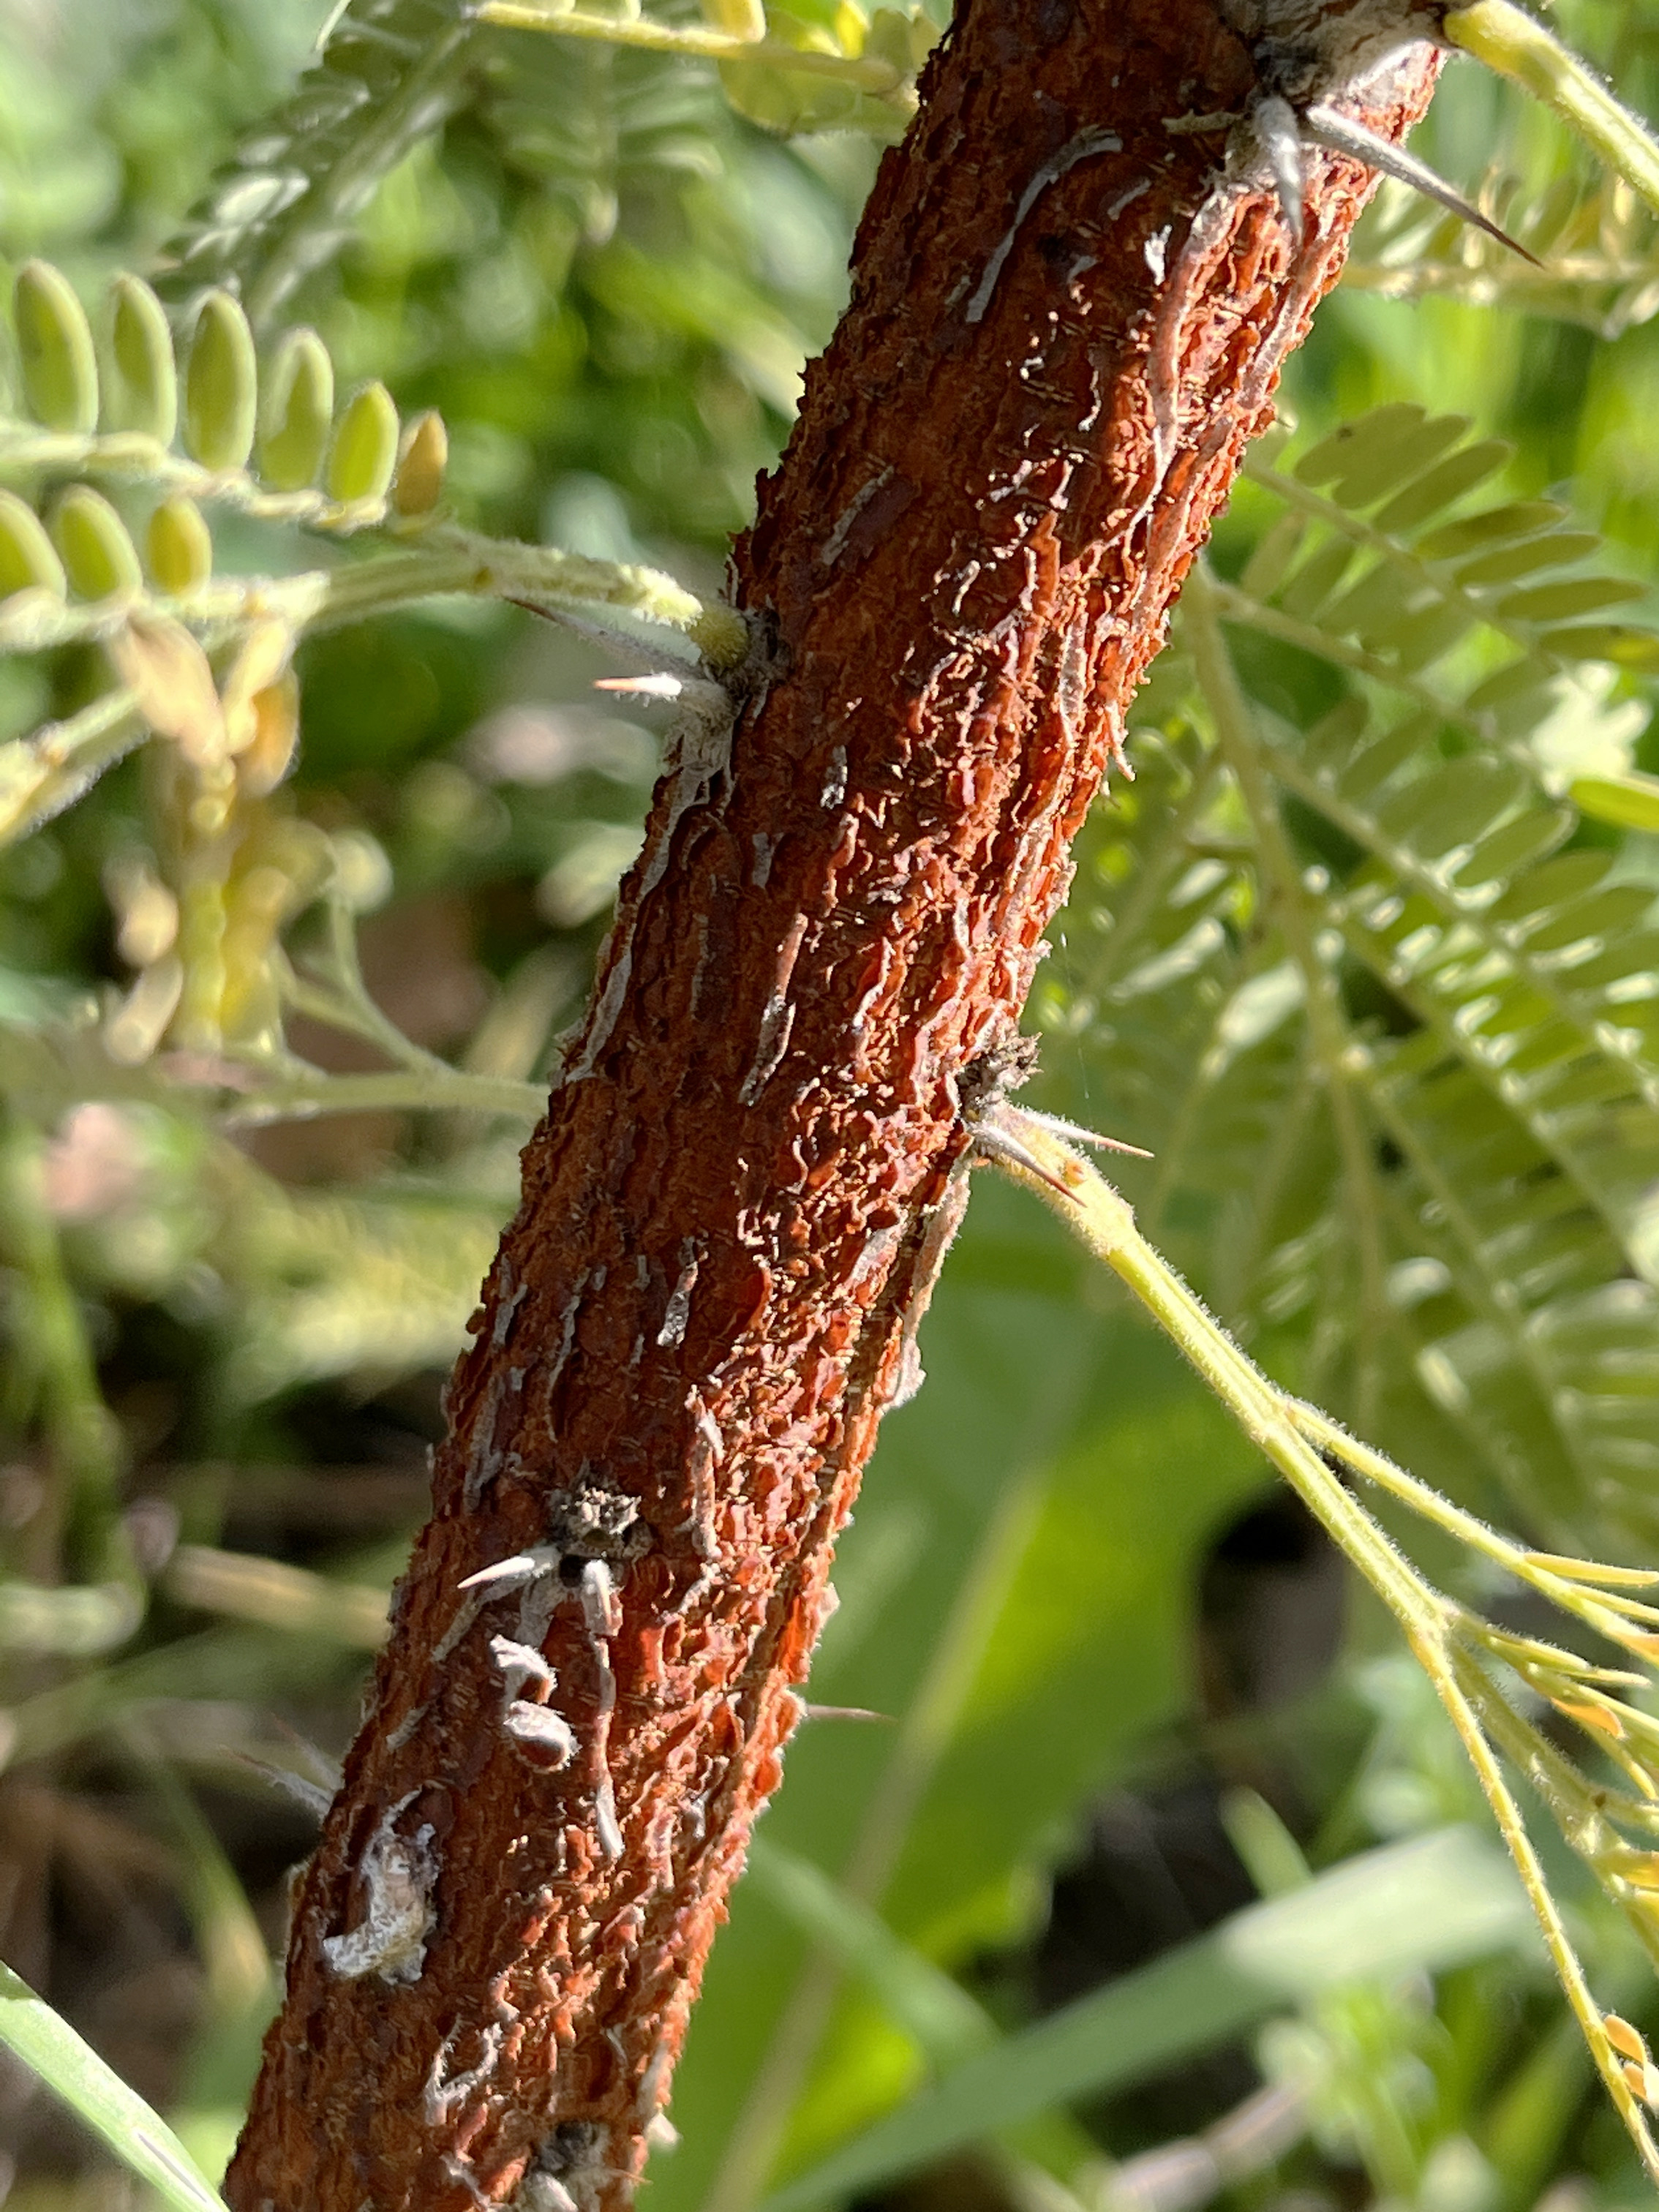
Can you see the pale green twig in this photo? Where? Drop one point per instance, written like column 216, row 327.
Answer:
column 698, row 42
column 1436, row 1630
column 1517, row 46
column 47, row 771
column 307, row 1092
column 447, row 560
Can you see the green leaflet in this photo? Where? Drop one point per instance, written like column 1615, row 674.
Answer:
column 1488, row 1002
column 221, row 386
column 365, row 450
column 298, row 410
column 141, row 384
column 55, row 350
column 99, row 556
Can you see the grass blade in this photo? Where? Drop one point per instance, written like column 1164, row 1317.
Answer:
column 142, row 2141
column 1436, row 1901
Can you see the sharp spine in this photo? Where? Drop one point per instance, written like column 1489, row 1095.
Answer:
column 1340, row 134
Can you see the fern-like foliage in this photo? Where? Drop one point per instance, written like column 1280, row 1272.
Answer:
column 98, row 460
column 580, row 113
column 388, row 73
column 1390, row 1022
column 1598, row 246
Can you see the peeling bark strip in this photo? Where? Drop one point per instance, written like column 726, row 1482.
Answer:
column 1061, row 333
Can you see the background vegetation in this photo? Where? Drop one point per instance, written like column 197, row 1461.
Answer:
column 1347, row 955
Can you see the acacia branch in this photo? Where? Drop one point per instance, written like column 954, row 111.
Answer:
column 1061, row 335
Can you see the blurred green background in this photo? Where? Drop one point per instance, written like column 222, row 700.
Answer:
column 1124, row 1687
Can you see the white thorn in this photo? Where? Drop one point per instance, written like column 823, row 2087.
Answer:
column 1274, row 124
column 1342, row 135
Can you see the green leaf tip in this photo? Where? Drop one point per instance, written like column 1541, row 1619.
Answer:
column 140, row 2139
column 1509, row 40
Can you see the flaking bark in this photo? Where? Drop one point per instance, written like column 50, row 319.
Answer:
column 1061, row 334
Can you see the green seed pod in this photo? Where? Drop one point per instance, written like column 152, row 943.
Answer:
column 420, row 478
column 28, row 558
column 365, row 449
column 178, row 547
column 141, row 392
column 55, row 349
column 221, row 386
column 98, row 554
column 299, row 407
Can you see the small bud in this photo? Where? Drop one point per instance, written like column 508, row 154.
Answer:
column 365, row 449
column 269, row 754
column 99, row 556
column 29, row 560
column 178, row 547
column 141, row 392
column 146, row 911
column 264, row 659
column 1623, row 2038
column 55, row 349
column 140, row 1022
column 425, row 454
column 1601, row 1718
column 167, row 673
column 221, row 386
column 299, row 407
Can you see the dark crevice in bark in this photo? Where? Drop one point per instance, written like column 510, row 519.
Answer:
column 1063, row 329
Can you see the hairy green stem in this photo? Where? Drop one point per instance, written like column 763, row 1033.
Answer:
column 1517, row 46
column 1434, row 1627
column 697, row 41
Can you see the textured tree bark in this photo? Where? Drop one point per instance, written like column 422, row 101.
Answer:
column 1064, row 327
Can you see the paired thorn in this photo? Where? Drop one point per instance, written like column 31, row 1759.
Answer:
column 1075, row 1134
column 1283, row 136
column 1342, row 135
column 996, row 1138
column 1279, row 135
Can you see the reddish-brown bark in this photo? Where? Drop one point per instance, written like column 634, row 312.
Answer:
column 1061, row 334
